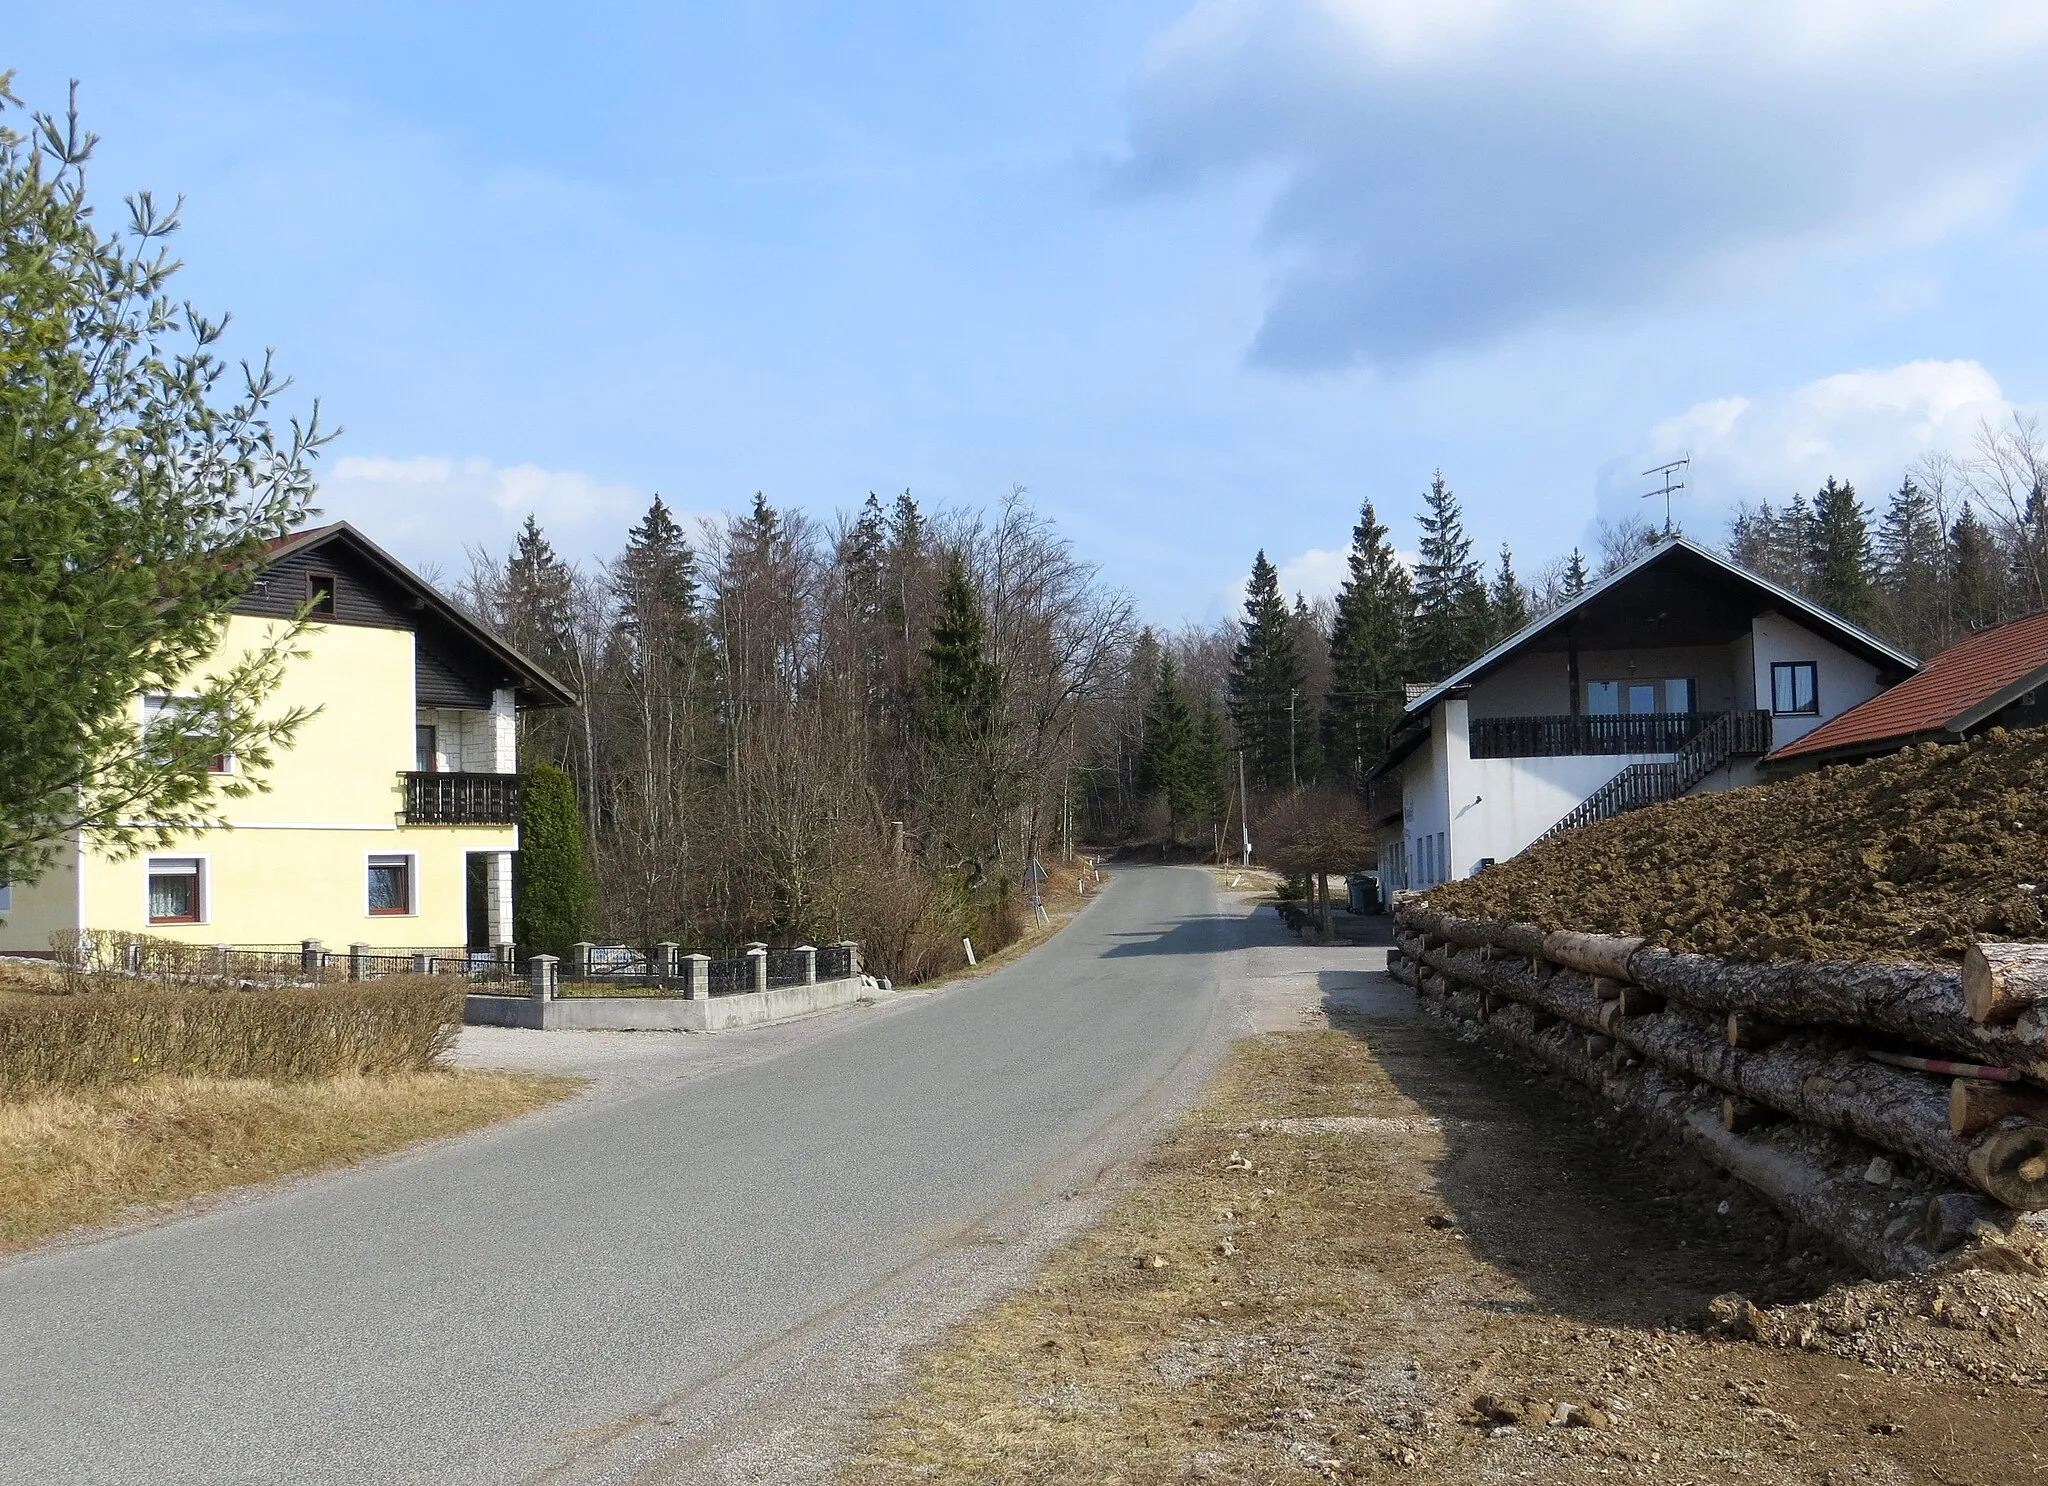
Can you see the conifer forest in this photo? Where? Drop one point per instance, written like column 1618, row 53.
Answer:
column 884, row 726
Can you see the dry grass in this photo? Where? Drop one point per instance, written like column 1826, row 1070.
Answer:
column 83, row 1158
column 126, row 1033
column 1063, row 900
column 1331, row 1305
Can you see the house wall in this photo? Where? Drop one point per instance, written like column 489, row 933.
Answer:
column 1841, row 680
column 38, row 909
column 1509, row 802
column 294, row 864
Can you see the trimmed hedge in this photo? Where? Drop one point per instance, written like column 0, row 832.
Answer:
column 127, row 1035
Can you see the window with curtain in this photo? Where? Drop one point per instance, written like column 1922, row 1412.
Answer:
column 390, row 885
column 1795, row 690
column 175, row 895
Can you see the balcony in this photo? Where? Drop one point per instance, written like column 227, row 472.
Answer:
column 1748, row 734
column 461, row 799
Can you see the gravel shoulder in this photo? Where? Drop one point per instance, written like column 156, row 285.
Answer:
column 1377, row 1251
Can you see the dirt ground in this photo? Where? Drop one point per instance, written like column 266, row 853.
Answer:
column 1383, row 1250
column 1913, row 856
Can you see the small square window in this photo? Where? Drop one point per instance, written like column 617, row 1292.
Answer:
column 319, row 593
column 1794, row 688
column 176, row 893
column 390, row 886
column 1603, row 698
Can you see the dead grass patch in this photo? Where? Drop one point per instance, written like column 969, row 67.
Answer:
column 1411, row 1283
column 85, row 1157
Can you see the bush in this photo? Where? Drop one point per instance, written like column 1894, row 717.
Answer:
column 554, row 892
column 125, row 1035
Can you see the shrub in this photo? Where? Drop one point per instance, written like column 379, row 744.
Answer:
column 126, row 1035
column 553, row 886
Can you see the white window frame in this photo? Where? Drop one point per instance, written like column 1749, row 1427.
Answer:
column 204, row 889
column 157, row 704
column 412, row 882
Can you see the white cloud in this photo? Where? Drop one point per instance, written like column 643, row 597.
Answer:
column 430, row 509
column 1861, row 426
column 1452, row 171
column 1315, row 574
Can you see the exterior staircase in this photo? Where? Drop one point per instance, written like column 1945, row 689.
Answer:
column 1729, row 736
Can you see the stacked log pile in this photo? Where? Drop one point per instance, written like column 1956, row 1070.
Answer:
column 1891, row 1107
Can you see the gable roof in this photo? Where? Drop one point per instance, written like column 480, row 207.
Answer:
column 1680, row 557
column 535, row 685
column 1951, row 693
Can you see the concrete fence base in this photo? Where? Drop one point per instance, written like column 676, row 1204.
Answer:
column 666, row 1013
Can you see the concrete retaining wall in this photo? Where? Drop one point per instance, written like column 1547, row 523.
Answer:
column 666, row 1013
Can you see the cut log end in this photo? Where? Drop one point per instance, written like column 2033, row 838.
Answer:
column 1976, row 1104
column 2012, row 1165
column 2000, row 981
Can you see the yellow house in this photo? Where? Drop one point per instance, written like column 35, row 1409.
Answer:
column 392, row 819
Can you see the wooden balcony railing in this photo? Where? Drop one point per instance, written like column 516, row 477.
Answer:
column 461, row 799
column 1744, row 733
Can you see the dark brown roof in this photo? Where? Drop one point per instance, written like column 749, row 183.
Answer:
column 1949, row 694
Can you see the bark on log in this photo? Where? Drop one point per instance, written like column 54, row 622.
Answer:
column 1916, row 1003
column 1595, row 954
column 1520, row 939
column 1976, row 1104
column 1815, row 1180
column 1608, row 989
column 1952, row 1216
column 2001, row 981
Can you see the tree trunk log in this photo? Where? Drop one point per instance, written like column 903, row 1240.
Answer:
column 1808, row 1076
column 1746, row 1029
column 1595, row 954
column 2001, row 981
column 1811, row 1177
column 1976, row 1104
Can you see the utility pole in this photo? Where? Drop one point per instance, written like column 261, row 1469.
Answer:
column 1244, row 810
column 1293, row 773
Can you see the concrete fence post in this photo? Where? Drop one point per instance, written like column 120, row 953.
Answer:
column 808, row 956
column 579, row 959
column 422, row 963
column 666, row 963
column 545, row 978
column 312, row 958
column 758, row 953
column 852, row 948
column 696, row 976
column 358, row 961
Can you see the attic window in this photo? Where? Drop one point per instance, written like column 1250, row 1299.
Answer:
column 320, row 593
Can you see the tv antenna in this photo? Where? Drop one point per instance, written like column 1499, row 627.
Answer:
column 1670, row 487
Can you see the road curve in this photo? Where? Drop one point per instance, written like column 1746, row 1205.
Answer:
column 482, row 1311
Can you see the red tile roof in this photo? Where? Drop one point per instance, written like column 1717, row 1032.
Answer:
column 1947, row 688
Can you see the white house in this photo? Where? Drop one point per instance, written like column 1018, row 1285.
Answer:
column 1673, row 675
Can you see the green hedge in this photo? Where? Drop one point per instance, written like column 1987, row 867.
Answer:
column 122, row 1036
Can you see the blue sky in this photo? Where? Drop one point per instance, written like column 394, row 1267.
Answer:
column 1201, row 277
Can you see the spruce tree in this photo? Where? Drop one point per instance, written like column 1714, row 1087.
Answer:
column 1575, row 575
column 1909, row 569
column 1266, row 675
column 1450, row 594
column 655, row 583
column 962, row 690
column 553, row 893
column 1209, row 768
column 1167, row 762
column 1368, row 652
column 1976, row 573
column 1840, row 554
column 1305, row 728
column 1509, row 599
column 538, row 593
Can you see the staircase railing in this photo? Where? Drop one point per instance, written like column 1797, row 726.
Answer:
column 1731, row 735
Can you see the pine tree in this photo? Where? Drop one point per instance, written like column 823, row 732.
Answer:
column 1368, row 652
column 553, row 893
column 1210, row 764
column 538, row 594
column 1166, row 757
column 962, row 689
column 655, row 583
column 1909, row 569
column 1450, row 594
column 1840, row 557
column 1305, row 728
column 1265, row 681
column 1976, row 573
column 1509, row 599
column 1575, row 575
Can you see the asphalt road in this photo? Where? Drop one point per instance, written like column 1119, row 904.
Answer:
column 498, row 1307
